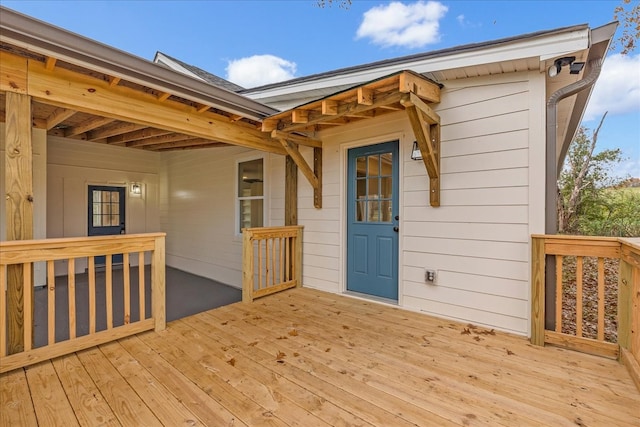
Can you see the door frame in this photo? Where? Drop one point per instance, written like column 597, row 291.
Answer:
column 403, row 148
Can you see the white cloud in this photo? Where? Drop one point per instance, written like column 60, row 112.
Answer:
column 258, row 70
column 460, row 19
column 617, row 89
column 398, row 24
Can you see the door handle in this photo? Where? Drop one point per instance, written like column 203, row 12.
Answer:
column 396, row 229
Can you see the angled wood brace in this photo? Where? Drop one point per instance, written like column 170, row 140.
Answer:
column 314, row 176
column 426, row 128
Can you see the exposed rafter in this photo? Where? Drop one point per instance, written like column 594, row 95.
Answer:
column 404, row 90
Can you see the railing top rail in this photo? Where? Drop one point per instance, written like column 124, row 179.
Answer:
column 633, row 242
column 17, row 245
column 578, row 238
column 270, row 232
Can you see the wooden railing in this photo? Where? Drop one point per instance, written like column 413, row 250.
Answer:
column 613, row 264
column 20, row 256
column 272, row 260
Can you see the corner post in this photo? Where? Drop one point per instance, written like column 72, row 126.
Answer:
column 158, row 284
column 247, row 266
column 537, row 290
column 19, row 212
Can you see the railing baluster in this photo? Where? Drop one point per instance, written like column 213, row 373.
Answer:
column 28, row 306
column 259, row 263
column 92, row 294
column 280, row 253
column 109, row 290
column 559, row 292
column 601, row 302
column 141, row 286
column 3, row 310
column 273, row 261
column 579, row 277
column 51, row 302
column 72, row 297
column 126, row 288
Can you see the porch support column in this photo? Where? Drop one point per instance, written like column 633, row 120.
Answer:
column 290, row 192
column 19, row 207
column 314, row 176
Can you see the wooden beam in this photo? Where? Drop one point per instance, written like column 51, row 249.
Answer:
column 113, row 81
column 298, row 139
column 365, row 96
column 430, row 116
column 113, row 130
column 136, row 135
column 162, row 139
column 202, row 108
column 19, row 209
column 50, row 63
column 290, row 192
column 58, row 116
column 313, row 176
column 428, row 139
column 329, row 107
column 13, row 73
column 190, row 142
column 344, row 109
column 317, row 169
column 84, row 93
column 163, row 96
column 300, row 116
column 87, row 126
column 425, row 89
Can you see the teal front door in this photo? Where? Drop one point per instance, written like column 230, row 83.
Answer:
column 372, row 225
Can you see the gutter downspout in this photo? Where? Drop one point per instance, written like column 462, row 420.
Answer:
column 551, row 175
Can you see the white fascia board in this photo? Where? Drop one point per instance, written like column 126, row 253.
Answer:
column 164, row 60
column 547, row 46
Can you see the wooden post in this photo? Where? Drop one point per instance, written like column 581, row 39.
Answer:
column 247, row 266
column 158, row 285
column 19, row 209
column 291, row 192
column 537, row 290
column 317, row 170
column 625, row 287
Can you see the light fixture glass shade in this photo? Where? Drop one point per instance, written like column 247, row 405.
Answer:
column 136, row 188
column 415, row 152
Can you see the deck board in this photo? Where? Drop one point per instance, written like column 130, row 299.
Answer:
column 309, row 358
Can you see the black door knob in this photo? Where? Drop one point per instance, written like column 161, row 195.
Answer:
column 396, row 229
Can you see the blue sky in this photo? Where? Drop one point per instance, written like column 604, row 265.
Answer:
column 285, row 39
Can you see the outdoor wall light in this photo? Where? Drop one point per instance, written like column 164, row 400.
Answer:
column 576, row 67
column 136, row 188
column 415, row 152
column 555, row 69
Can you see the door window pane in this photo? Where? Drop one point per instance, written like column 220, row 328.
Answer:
column 106, row 208
column 361, row 167
column 374, row 188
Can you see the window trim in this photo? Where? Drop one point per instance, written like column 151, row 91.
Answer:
column 265, row 189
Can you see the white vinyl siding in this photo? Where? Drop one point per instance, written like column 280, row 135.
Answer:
column 478, row 239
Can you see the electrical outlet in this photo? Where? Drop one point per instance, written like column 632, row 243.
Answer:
column 430, row 276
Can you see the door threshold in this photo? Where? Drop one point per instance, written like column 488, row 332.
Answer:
column 368, row 297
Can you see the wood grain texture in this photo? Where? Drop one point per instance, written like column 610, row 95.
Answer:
column 310, row 358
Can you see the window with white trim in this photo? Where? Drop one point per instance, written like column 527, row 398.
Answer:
column 250, row 197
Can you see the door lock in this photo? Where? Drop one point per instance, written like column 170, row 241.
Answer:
column 396, row 229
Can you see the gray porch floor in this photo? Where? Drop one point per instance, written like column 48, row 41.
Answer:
column 186, row 294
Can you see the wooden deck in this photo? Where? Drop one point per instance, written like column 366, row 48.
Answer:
column 308, row 358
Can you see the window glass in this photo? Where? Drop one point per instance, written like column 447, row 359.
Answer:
column 374, row 188
column 251, row 194
column 106, row 208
